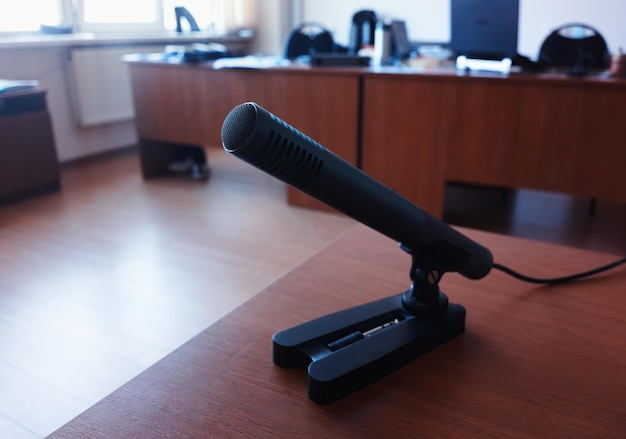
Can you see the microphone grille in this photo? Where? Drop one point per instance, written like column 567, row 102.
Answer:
column 239, row 126
column 288, row 161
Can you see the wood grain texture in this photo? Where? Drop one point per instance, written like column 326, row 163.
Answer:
column 100, row 280
column 188, row 104
column 104, row 278
column 537, row 132
column 533, row 362
column 563, row 136
column 413, row 132
column 402, row 145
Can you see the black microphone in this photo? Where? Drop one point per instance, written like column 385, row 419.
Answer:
column 260, row 138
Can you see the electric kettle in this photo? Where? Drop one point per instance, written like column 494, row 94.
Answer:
column 362, row 31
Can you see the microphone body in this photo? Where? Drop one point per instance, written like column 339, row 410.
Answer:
column 258, row 137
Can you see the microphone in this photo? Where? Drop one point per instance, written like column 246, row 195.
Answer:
column 260, row 138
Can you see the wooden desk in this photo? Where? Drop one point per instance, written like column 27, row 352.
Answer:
column 533, row 362
column 413, row 132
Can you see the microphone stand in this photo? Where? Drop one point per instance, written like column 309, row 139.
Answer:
column 350, row 349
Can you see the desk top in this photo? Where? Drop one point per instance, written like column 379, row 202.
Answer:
column 442, row 71
column 534, row 361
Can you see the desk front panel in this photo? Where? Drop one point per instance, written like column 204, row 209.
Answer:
column 402, row 144
column 558, row 136
column 413, row 132
column 187, row 104
column 555, row 134
column 182, row 104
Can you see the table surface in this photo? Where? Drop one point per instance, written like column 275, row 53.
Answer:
column 534, row 361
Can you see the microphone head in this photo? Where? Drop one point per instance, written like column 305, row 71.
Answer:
column 239, row 126
column 262, row 139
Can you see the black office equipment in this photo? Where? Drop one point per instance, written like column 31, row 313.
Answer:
column 484, row 29
column 576, row 46
column 308, row 38
column 362, row 30
column 400, row 44
column 339, row 59
column 203, row 52
column 350, row 349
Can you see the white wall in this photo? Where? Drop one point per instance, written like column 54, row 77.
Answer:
column 428, row 20
column 268, row 35
column 48, row 66
column 276, row 18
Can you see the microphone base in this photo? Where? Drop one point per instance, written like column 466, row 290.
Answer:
column 350, row 349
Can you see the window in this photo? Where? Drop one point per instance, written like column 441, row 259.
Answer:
column 118, row 15
column 126, row 15
column 28, row 15
column 120, row 11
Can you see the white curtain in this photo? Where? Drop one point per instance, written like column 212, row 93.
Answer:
column 232, row 15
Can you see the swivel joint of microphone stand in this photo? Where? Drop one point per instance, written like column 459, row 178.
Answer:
column 424, row 297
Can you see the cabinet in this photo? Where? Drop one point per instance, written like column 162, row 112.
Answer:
column 28, row 158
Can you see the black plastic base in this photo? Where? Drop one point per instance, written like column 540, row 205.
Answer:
column 351, row 349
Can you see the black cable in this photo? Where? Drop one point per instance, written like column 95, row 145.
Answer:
column 557, row 280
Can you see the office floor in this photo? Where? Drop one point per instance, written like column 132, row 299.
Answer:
column 102, row 279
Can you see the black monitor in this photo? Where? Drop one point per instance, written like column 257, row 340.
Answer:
column 485, row 29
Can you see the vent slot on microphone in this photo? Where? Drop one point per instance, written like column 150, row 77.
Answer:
column 288, row 161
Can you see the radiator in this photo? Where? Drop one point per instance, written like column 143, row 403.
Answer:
column 100, row 84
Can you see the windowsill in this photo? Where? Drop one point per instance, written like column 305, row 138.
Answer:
column 83, row 39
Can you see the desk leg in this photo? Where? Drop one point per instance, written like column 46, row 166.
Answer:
column 156, row 156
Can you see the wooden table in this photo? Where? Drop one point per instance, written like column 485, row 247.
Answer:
column 534, row 361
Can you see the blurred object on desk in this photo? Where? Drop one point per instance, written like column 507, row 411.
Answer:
column 618, row 65
column 11, row 85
